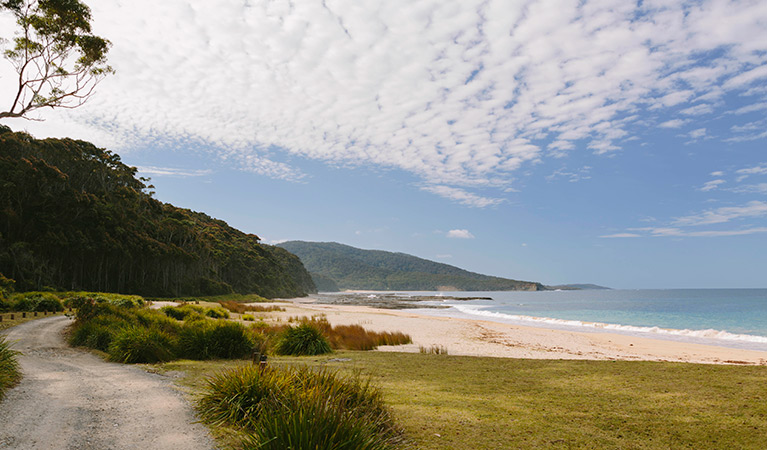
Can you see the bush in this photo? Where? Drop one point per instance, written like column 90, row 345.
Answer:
column 97, row 333
column 217, row 313
column 37, row 301
column 248, row 318
column 141, row 345
column 207, row 340
column 300, row 409
column 305, row 339
column 9, row 367
column 181, row 312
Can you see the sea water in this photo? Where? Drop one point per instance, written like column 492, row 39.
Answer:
column 726, row 317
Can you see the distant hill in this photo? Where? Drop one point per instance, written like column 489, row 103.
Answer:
column 348, row 267
column 578, row 287
column 74, row 217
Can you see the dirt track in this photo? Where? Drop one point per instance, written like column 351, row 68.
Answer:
column 71, row 399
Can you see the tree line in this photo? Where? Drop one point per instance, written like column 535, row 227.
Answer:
column 74, row 217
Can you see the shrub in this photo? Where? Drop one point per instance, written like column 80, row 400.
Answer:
column 217, row 313
column 300, row 409
column 248, row 318
column 181, row 312
column 206, row 340
column 9, row 367
column 305, row 339
column 37, row 301
column 97, row 333
column 141, row 345
column 240, row 308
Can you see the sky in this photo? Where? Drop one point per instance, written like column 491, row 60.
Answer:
column 612, row 142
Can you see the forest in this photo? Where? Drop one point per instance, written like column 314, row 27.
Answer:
column 74, row 217
column 336, row 266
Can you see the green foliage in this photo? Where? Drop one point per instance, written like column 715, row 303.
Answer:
column 37, row 301
column 182, row 312
column 217, row 313
column 10, row 373
column 208, row 340
column 354, row 268
column 141, row 345
column 56, row 56
column 72, row 214
column 300, row 409
column 304, row 339
column 134, row 334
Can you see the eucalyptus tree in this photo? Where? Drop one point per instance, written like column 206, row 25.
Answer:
column 58, row 59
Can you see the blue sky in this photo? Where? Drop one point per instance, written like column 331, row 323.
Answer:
column 611, row 142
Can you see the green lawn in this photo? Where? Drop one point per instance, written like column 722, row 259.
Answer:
column 453, row 402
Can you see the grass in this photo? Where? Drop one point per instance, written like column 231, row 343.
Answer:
column 282, row 408
column 462, row 403
column 10, row 373
column 304, row 339
column 241, row 308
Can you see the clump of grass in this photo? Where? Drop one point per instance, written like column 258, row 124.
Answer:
column 182, row 312
column 241, row 308
column 217, row 313
column 36, row 301
column 248, row 318
column 433, row 350
column 141, row 345
column 300, row 409
column 10, row 373
column 209, row 340
column 304, row 339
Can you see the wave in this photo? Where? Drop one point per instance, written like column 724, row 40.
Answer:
column 702, row 334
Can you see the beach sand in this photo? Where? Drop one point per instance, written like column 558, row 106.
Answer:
column 483, row 338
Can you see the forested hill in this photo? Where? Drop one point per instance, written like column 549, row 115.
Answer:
column 74, row 217
column 335, row 266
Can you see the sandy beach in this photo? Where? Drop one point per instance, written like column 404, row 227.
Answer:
column 485, row 338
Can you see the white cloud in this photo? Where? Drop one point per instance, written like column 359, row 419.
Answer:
column 697, row 134
column 621, row 235
column 718, row 173
column 674, row 123
column 462, row 196
column 173, row 172
column 460, row 234
column 458, row 92
column 676, row 232
column 711, row 185
column 724, row 214
column 748, row 171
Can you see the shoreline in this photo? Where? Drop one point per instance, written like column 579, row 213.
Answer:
column 477, row 337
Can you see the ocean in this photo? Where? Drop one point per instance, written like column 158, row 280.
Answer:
column 726, row 317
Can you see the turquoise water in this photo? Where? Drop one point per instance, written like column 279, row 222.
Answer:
column 729, row 317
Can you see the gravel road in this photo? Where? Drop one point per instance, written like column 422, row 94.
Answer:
column 71, row 399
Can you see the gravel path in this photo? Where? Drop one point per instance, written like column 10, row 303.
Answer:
column 71, row 399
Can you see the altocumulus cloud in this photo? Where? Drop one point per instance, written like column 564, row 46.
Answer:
column 460, row 93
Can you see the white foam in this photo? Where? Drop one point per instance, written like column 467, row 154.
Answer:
column 701, row 334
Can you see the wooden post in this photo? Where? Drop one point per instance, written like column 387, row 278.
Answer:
column 1, row 317
column 11, row 316
column 35, row 313
column 23, row 315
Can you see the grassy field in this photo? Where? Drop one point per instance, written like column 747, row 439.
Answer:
column 452, row 402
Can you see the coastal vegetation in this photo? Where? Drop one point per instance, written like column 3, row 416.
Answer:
column 336, row 267
column 287, row 407
column 473, row 403
column 9, row 367
column 74, row 217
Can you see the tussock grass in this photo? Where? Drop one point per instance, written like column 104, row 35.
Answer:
column 10, row 373
column 299, row 408
column 433, row 349
column 241, row 308
column 208, row 340
column 353, row 337
column 141, row 345
column 304, row 339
